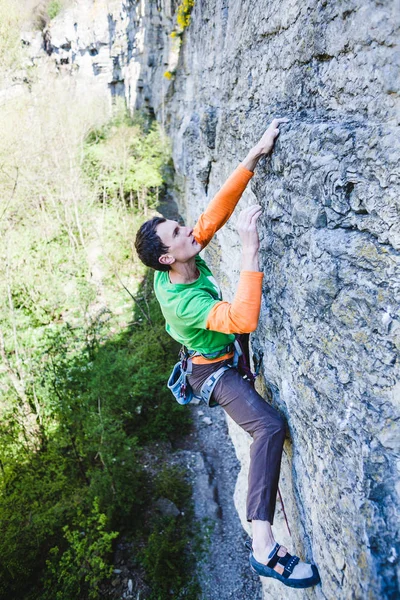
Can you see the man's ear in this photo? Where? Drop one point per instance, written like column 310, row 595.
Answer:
column 166, row 259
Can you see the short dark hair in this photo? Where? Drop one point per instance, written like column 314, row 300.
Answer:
column 149, row 245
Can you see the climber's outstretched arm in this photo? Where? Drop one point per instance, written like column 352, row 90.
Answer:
column 224, row 202
column 241, row 316
column 222, row 205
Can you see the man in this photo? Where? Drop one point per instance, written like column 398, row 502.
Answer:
column 197, row 317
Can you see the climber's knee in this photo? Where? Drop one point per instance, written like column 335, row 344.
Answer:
column 268, row 427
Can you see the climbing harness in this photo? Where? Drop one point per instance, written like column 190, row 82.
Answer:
column 178, row 380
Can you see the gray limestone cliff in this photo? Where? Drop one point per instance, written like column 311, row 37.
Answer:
column 330, row 234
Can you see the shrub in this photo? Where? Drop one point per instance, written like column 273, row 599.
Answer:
column 37, row 499
column 82, row 566
column 170, row 483
column 164, row 558
column 173, row 542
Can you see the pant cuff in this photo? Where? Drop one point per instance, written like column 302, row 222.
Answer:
column 262, row 517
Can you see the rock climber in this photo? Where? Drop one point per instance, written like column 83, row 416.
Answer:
column 198, row 318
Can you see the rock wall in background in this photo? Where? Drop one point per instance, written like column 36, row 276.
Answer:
column 330, row 233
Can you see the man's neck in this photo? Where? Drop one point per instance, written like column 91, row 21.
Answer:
column 184, row 272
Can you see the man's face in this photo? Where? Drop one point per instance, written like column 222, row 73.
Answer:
column 180, row 241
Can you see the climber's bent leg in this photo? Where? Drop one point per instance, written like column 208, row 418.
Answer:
column 249, row 410
column 267, row 428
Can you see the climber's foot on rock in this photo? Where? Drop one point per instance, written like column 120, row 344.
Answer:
column 277, row 563
column 302, row 570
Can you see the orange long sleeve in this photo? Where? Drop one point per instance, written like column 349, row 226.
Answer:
column 222, row 205
column 242, row 315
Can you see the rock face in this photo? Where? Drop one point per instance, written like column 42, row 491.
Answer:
column 115, row 48
column 330, row 233
column 330, row 321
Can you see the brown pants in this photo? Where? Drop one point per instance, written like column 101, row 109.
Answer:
column 266, row 426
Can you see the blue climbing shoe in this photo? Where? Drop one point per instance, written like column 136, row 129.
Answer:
column 280, row 566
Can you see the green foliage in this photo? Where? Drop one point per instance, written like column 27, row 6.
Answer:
column 36, row 498
column 121, row 163
column 78, row 571
column 86, row 358
column 170, row 483
column 165, row 559
column 38, row 282
column 101, row 400
column 170, row 553
column 54, row 8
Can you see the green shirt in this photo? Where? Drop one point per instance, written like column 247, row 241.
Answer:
column 186, row 307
